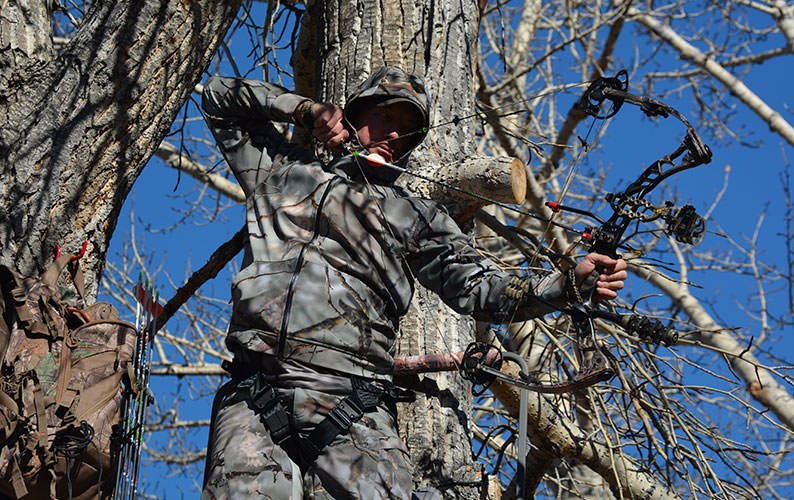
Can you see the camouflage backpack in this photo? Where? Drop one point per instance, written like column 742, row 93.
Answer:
column 60, row 388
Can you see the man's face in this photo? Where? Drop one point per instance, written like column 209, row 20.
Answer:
column 380, row 126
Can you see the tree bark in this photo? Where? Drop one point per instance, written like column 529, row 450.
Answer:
column 78, row 128
column 502, row 179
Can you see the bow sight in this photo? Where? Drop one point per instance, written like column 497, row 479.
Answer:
column 682, row 223
column 686, row 226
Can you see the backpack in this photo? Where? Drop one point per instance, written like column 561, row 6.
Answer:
column 61, row 390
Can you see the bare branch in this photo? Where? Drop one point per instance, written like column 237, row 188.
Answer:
column 761, row 384
column 171, row 155
column 736, row 86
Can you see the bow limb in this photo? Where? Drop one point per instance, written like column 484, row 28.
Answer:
column 629, row 205
column 698, row 153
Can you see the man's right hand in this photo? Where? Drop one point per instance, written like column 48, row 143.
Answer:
column 328, row 126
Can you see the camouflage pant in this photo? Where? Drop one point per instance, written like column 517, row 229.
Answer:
column 369, row 462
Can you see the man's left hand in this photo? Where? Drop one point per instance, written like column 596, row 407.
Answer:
column 611, row 279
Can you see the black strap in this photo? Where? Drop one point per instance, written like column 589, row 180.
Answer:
column 366, row 397
column 266, row 402
column 8, row 282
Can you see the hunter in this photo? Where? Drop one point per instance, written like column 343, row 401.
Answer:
column 332, row 255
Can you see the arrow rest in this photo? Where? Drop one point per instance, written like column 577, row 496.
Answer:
column 604, row 240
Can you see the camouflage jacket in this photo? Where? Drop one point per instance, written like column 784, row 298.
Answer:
column 337, row 281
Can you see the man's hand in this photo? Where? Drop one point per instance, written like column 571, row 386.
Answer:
column 328, row 126
column 609, row 281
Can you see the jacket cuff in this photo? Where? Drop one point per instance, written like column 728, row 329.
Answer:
column 286, row 104
column 302, row 115
column 542, row 296
column 555, row 287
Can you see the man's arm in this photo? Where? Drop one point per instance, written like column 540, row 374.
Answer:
column 240, row 114
column 238, row 100
column 444, row 261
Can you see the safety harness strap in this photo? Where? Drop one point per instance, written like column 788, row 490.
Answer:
column 366, row 397
column 265, row 401
column 338, row 421
column 270, row 408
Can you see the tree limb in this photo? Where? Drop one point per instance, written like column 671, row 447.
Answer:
column 761, row 384
column 171, row 155
column 785, row 20
column 552, row 431
column 217, row 261
column 575, row 115
column 689, row 53
column 503, row 179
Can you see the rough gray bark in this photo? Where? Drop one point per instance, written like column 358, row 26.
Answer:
column 79, row 126
column 435, row 40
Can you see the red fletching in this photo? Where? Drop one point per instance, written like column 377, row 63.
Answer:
column 147, row 301
column 74, row 257
column 553, row 205
column 82, row 251
column 374, row 160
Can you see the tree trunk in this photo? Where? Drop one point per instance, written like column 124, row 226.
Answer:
column 78, row 127
column 434, row 40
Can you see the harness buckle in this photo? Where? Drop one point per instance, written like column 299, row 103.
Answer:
column 268, row 404
column 345, row 413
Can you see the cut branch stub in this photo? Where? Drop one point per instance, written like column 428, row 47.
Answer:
column 502, row 179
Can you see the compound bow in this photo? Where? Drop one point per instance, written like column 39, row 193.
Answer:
column 628, row 206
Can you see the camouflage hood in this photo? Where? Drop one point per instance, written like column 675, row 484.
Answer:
column 391, row 85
